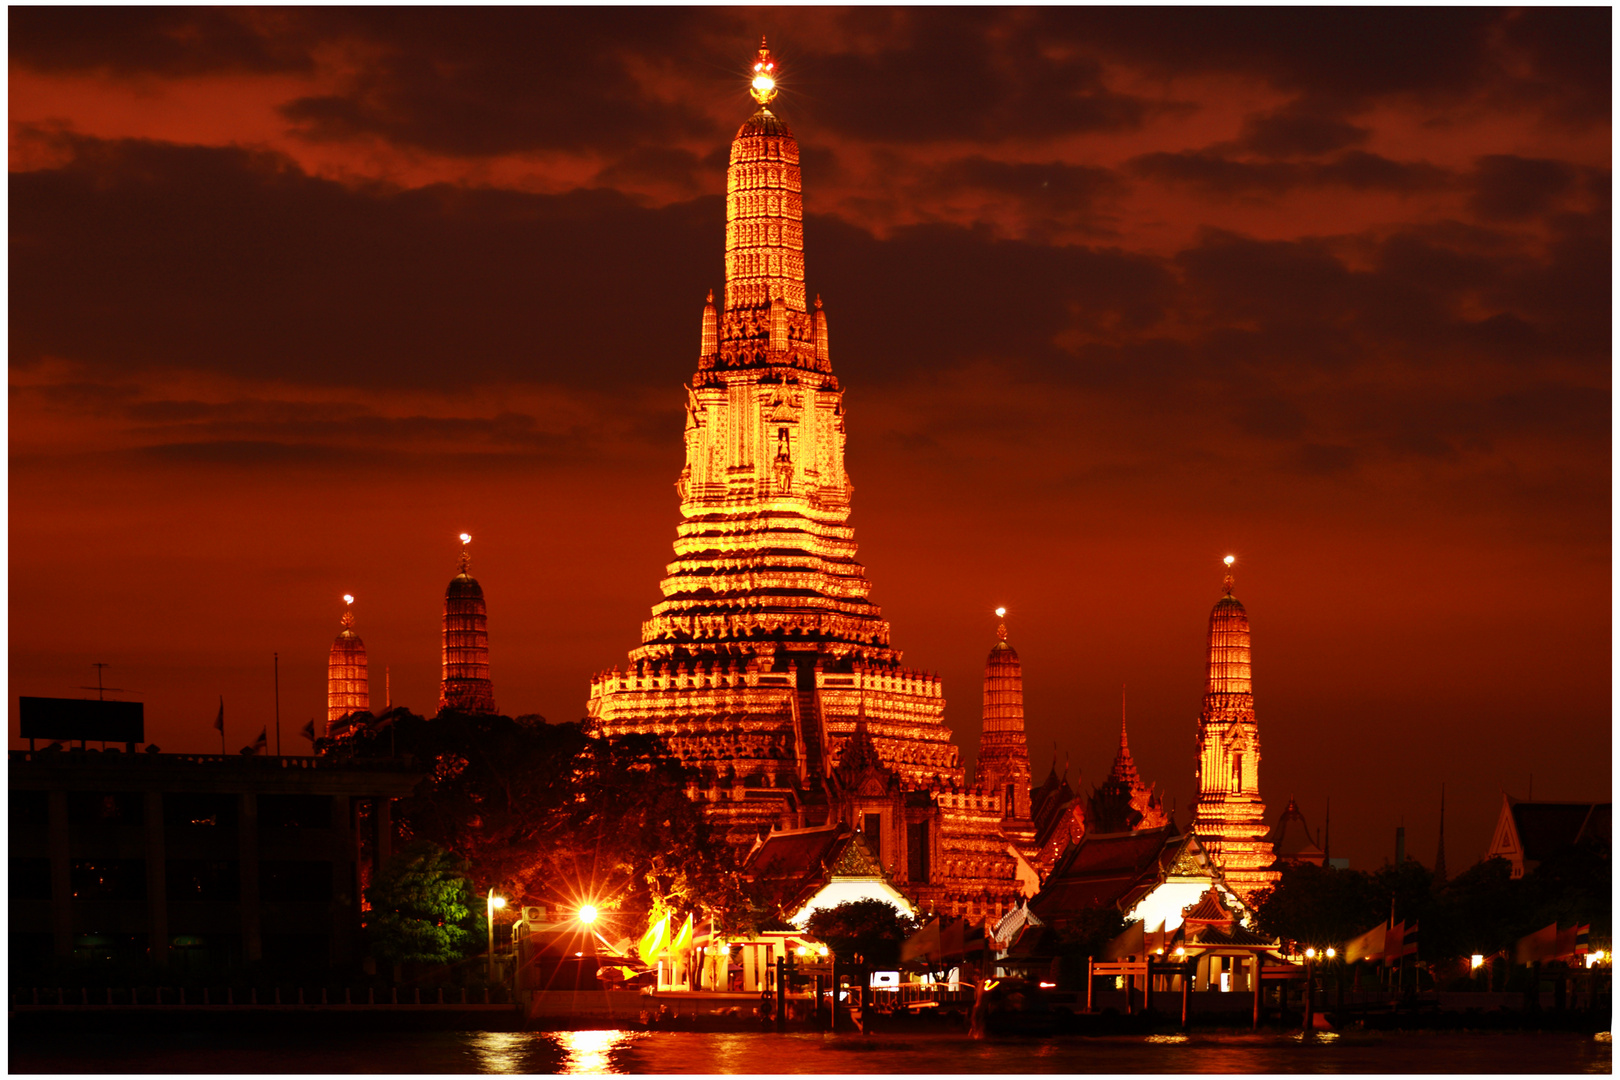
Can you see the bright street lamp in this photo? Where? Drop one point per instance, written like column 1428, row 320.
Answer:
column 587, row 914
column 489, row 922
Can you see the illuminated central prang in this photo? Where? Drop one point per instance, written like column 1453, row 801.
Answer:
column 766, row 665
column 348, row 687
column 1229, row 818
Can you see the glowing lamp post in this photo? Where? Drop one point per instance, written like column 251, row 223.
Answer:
column 1311, row 956
column 489, row 923
column 587, row 914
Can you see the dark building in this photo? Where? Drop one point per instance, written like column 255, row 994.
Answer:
column 1527, row 832
column 193, row 863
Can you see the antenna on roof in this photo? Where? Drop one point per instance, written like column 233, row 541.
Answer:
column 102, row 690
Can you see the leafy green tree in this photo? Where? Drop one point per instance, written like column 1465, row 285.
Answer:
column 423, row 908
column 870, row 929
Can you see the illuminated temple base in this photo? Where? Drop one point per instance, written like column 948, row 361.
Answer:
column 765, row 667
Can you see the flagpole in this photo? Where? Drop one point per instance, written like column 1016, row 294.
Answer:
column 276, row 658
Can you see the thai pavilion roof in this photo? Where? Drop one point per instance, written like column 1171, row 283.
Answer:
column 1101, row 870
column 1233, row 935
column 1209, row 910
column 1543, row 827
column 788, row 865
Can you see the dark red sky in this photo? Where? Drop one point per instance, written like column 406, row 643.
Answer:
column 296, row 296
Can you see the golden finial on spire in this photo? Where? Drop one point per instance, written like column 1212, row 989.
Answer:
column 465, row 557
column 1001, row 631
column 1229, row 560
column 348, row 616
column 763, row 87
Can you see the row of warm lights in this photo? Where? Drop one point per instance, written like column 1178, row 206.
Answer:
column 1311, row 954
column 586, row 914
column 804, row 950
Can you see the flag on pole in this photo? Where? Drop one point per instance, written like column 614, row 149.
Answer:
column 1395, row 942
column 683, row 939
column 219, row 721
column 261, row 742
column 1583, row 935
column 1566, row 942
column 654, row 941
column 1369, row 946
column 1540, row 945
column 309, row 731
column 1409, row 941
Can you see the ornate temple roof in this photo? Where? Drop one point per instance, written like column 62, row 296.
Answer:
column 764, row 122
column 1101, row 870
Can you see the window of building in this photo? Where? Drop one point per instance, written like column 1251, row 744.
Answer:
column 873, row 828
column 1008, row 809
column 30, row 879
column 104, row 809
column 118, row 880
column 917, row 851
column 295, row 812
column 200, row 810
column 31, row 808
column 295, row 881
column 206, row 880
column 1237, row 772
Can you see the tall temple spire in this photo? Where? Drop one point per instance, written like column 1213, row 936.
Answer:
column 766, row 617
column 348, row 687
column 765, row 229
column 1123, row 802
column 1229, row 816
column 1003, row 766
column 465, row 685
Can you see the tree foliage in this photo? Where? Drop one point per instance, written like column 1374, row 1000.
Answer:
column 550, row 813
column 1481, row 910
column 423, row 908
column 872, row 930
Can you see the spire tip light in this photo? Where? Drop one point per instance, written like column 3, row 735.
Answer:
column 1001, row 613
column 763, row 86
column 1229, row 560
column 466, row 538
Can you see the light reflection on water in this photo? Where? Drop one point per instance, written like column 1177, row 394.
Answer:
column 500, row 1051
column 591, row 1051
column 933, row 1051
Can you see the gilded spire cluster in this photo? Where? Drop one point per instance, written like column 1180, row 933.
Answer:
column 1003, row 765
column 348, row 686
column 1228, row 816
column 465, row 685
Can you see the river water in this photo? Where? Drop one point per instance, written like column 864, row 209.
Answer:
column 692, row 1052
